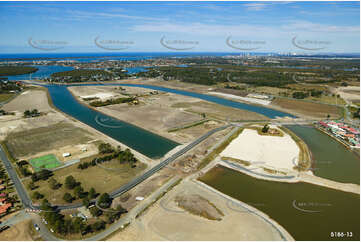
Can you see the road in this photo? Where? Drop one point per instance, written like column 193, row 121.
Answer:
column 14, row 177
column 28, row 203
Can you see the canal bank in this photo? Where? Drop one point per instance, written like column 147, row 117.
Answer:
column 306, row 211
column 331, row 160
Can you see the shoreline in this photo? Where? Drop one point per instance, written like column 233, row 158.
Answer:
column 285, row 235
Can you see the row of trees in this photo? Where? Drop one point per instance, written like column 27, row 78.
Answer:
column 125, row 156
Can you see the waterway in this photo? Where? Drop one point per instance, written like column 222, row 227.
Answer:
column 143, row 141
column 268, row 112
column 42, row 72
column 306, row 211
column 331, row 159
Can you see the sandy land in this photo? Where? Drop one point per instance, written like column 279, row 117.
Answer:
column 18, row 232
column 270, row 151
column 350, row 93
column 247, row 99
column 154, row 113
column 166, row 221
column 31, row 99
column 100, row 95
column 11, row 124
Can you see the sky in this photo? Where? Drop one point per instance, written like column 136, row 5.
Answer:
column 281, row 27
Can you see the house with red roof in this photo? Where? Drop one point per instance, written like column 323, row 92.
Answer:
column 4, row 208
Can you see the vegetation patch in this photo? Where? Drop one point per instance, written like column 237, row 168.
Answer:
column 16, row 70
column 200, row 206
column 304, row 158
column 114, row 101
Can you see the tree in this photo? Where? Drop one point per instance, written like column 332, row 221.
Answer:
column 70, row 182
column 86, row 202
column 265, row 128
column 95, row 211
column 31, row 185
column 104, row 200
column 78, row 225
column 54, row 184
column 92, row 193
column 98, row 225
column 79, row 191
column 37, row 195
column 105, row 148
column 68, row 197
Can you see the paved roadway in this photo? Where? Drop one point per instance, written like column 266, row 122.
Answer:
column 14, row 177
column 27, row 201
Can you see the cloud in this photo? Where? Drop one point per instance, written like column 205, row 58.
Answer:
column 244, row 29
column 91, row 15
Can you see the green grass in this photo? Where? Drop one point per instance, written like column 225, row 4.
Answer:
column 5, row 96
column 46, row 161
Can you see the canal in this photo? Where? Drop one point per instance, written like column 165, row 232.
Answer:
column 306, row 211
column 143, row 141
column 331, row 159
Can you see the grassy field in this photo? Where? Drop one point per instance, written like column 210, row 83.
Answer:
column 5, row 96
column 46, row 161
column 42, row 139
column 101, row 179
column 308, row 108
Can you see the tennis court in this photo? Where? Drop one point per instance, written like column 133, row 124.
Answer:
column 46, row 161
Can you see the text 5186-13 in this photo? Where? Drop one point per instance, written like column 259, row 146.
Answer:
column 341, row 234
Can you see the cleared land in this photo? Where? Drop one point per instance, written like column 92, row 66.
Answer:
column 308, row 109
column 18, row 232
column 166, row 221
column 32, row 99
column 270, row 151
column 31, row 142
column 155, row 112
column 101, row 179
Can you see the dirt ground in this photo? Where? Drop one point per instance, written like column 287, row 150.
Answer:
column 166, row 221
column 28, row 100
column 350, row 93
column 18, row 232
column 28, row 143
column 308, row 109
column 220, row 112
column 163, row 112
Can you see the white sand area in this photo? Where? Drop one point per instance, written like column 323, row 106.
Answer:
column 269, row 151
column 100, row 95
column 247, row 99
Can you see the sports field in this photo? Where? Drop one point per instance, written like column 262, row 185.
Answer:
column 46, row 161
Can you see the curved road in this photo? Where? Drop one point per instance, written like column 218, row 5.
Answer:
column 28, row 203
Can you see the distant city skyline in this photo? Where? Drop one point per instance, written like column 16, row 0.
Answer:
column 279, row 27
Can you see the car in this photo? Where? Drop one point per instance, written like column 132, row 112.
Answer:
column 36, row 227
column 51, row 230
